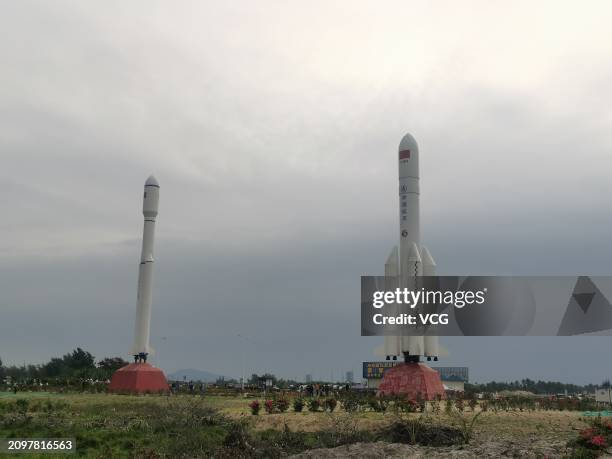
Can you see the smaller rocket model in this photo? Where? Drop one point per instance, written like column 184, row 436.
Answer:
column 412, row 259
column 141, row 348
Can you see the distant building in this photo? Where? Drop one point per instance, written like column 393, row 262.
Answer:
column 308, row 378
column 453, row 378
column 349, row 377
column 603, row 395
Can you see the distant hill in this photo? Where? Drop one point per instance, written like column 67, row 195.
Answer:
column 193, row 375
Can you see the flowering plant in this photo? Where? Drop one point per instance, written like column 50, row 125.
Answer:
column 255, row 407
column 599, row 441
column 593, row 440
column 269, row 406
column 282, row 404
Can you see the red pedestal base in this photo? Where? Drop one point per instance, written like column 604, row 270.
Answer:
column 412, row 379
column 138, row 378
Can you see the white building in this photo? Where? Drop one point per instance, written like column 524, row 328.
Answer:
column 604, row 395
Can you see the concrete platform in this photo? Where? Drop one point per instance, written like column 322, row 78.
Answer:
column 138, row 378
column 412, row 379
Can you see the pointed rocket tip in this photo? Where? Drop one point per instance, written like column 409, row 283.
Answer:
column 427, row 258
column 413, row 253
column 408, row 143
column 152, row 181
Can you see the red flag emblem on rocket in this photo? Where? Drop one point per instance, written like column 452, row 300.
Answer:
column 404, row 154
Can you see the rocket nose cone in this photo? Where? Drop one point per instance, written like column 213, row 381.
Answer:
column 408, row 143
column 152, row 181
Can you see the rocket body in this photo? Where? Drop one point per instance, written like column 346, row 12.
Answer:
column 409, row 228
column 410, row 215
column 145, row 271
column 414, row 260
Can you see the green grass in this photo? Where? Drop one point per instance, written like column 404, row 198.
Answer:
column 153, row 426
column 26, row 394
column 120, row 426
column 116, row 426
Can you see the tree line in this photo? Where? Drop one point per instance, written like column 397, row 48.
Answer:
column 537, row 387
column 77, row 364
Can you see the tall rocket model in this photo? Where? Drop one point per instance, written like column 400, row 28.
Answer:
column 141, row 377
column 141, row 348
column 413, row 259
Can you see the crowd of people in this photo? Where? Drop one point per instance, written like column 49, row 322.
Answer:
column 322, row 390
column 52, row 385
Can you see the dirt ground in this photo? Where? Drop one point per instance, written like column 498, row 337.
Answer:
column 517, row 434
column 398, row 450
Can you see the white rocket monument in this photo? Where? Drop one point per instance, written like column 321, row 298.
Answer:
column 141, row 348
column 413, row 258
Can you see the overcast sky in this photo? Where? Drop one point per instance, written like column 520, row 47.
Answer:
column 272, row 128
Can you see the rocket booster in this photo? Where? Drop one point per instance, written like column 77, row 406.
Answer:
column 414, row 260
column 142, row 328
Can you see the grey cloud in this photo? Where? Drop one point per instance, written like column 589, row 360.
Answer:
column 273, row 133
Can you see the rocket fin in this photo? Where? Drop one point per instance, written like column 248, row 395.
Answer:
column 391, row 345
column 391, row 265
column 431, row 344
column 429, row 265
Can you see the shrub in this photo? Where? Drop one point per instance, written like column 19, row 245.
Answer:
column 466, row 424
column 448, row 406
column 330, row 404
column 421, row 402
column 298, row 405
column 459, row 404
column 420, row 431
column 472, row 403
column 22, row 405
column 255, row 407
column 314, row 404
column 350, row 404
column 269, row 406
column 237, row 437
column 282, row 404
column 435, row 404
column 343, row 429
column 592, row 441
column 379, row 404
column 402, row 405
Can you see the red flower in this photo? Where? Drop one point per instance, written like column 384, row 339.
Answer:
column 599, row 440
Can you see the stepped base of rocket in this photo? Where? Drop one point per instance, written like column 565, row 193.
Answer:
column 412, row 380
column 139, row 378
